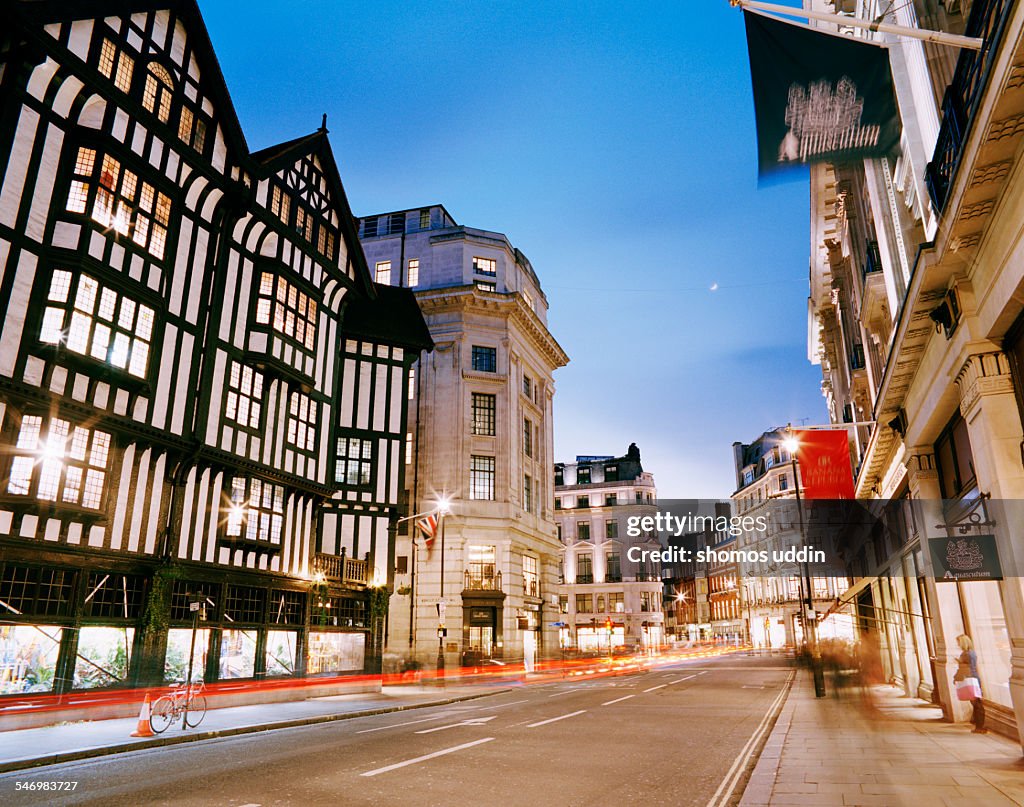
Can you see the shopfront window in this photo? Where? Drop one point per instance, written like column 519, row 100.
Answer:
column 179, row 641
column 336, row 652
column 104, row 654
column 28, row 657
column 282, row 655
column 983, row 612
column 237, row 654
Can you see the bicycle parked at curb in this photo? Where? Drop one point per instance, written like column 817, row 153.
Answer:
column 168, row 708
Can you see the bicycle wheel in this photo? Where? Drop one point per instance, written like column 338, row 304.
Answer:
column 162, row 714
column 196, row 711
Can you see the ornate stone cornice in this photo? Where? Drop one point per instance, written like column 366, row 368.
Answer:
column 983, row 374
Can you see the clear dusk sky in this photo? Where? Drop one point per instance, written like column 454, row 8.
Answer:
column 614, row 144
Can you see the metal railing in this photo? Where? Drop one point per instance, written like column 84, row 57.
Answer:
column 478, row 582
column 584, row 578
column 960, row 102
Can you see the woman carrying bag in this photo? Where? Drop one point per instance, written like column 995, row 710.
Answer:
column 968, row 682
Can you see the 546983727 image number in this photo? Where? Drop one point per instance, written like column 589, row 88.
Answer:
column 45, row 785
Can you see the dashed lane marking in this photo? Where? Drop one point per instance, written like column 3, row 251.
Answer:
column 555, row 719
column 425, row 757
column 618, row 700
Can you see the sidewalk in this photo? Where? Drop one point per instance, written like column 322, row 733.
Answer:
column 29, row 748
column 837, row 751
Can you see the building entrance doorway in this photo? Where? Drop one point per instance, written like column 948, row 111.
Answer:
column 481, row 640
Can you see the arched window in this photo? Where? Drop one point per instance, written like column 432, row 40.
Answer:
column 156, row 96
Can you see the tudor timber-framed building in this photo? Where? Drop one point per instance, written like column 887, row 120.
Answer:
column 203, row 395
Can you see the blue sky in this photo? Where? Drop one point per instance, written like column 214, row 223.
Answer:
column 614, row 144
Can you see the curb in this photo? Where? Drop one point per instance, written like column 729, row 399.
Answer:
column 178, row 739
column 758, row 789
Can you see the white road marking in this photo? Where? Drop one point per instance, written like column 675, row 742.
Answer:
column 425, row 757
column 724, row 792
column 554, row 719
column 567, row 692
column 473, row 721
column 659, row 686
column 409, row 723
column 618, row 700
column 686, row 678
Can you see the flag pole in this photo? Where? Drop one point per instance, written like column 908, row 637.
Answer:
column 937, row 37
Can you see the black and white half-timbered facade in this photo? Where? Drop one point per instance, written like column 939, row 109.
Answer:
column 203, row 395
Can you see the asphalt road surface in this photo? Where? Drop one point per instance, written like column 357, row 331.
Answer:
column 678, row 735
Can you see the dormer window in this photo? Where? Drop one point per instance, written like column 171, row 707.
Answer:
column 158, row 91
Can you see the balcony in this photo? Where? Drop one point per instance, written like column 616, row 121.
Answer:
column 960, row 103
column 481, row 582
column 340, row 569
column 584, row 578
column 647, row 577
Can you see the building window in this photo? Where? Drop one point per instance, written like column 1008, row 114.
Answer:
column 582, row 530
column 582, row 501
column 583, row 476
column 584, row 569
column 483, row 414
column 527, row 386
column 481, row 478
column 292, row 312
column 396, row 223
column 382, row 274
column 119, row 200
column 157, row 93
column 412, row 383
column 302, row 421
column 611, row 530
column 414, row 272
column 94, row 320
column 370, row 227
column 408, row 448
column 616, row 603
column 192, row 129
column 280, row 203
column 485, row 359
column 256, row 510
column 424, row 218
column 531, row 581
column 355, row 461
column 481, row 565
column 646, row 603
column 245, row 396
column 610, row 500
column 584, row 603
column 955, row 460
column 527, row 493
column 304, row 222
column 613, row 573
column 563, row 603
column 486, row 286
column 611, row 473
column 527, row 298
column 783, row 482
column 67, row 464
column 485, row 266
column 527, row 437
column 115, row 65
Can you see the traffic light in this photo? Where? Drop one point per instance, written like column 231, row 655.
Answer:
column 608, row 624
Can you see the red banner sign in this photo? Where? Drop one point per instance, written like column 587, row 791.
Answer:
column 824, row 457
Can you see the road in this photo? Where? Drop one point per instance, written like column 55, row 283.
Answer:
column 670, row 735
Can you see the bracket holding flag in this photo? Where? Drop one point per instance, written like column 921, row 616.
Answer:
column 938, row 37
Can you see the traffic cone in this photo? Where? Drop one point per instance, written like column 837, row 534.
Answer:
column 143, row 729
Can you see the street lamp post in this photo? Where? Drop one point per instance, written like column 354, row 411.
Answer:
column 792, row 444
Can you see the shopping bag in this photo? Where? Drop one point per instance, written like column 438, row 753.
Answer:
column 968, row 689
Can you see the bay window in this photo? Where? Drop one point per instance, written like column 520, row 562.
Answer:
column 245, row 396
column 95, row 320
column 59, row 461
column 255, row 510
column 290, row 311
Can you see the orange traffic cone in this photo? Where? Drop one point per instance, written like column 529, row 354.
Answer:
column 143, row 729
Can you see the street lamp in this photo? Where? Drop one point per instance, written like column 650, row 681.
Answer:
column 792, row 445
column 444, row 507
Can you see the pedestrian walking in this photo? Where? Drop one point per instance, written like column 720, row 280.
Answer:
column 968, row 682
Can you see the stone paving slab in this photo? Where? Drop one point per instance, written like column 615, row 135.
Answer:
column 887, row 750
